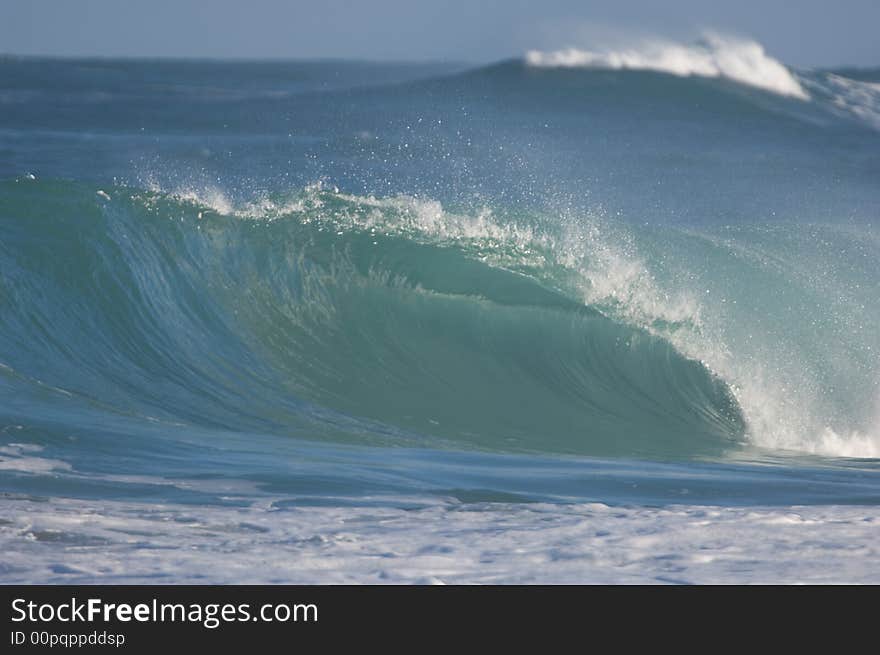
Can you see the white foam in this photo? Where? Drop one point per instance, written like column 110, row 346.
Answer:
column 715, row 55
column 398, row 215
column 854, row 98
column 113, row 542
column 22, row 458
column 854, row 444
column 619, row 281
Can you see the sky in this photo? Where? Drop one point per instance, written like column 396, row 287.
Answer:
column 806, row 33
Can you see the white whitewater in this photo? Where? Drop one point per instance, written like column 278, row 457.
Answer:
column 714, row 55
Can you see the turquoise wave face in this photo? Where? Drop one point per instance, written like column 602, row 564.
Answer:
column 335, row 317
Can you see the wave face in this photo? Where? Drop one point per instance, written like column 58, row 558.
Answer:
column 667, row 252
column 328, row 308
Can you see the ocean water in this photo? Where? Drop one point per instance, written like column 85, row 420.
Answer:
column 577, row 316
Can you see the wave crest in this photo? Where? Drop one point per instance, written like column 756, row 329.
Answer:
column 714, row 55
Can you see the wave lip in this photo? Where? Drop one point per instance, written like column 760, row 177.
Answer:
column 740, row 60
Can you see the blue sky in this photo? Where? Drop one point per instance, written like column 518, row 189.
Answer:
column 804, row 33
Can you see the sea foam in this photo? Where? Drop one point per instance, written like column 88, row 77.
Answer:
column 441, row 543
column 714, row 55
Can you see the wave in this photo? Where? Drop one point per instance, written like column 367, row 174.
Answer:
column 850, row 94
column 323, row 314
column 714, row 55
column 333, row 316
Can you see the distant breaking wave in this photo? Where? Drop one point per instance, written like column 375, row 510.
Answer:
column 714, row 55
column 859, row 99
